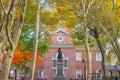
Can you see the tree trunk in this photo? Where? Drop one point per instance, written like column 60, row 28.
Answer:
column 103, row 57
column 96, row 36
column 36, row 41
column 1, row 57
column 89, row 64
column 6, row 68
column 88, row 58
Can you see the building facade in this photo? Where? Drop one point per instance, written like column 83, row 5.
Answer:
column 74, row 60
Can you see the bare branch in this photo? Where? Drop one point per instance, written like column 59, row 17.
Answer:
column 12, row 13
column 1, row 3
column 25, row 24
column 18, row 27
column 89, row 6
column 7, row 25
column 11, row 7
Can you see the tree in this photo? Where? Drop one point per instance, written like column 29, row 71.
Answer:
column 36, row 40
column 85, row 12
column 101, row 29
column 104, row 16
column 21, row 59
column 24, row 57
column 14, row 28
column 96, row 35
column 12, row 39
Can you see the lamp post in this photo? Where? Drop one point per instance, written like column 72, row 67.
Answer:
column 84, row 63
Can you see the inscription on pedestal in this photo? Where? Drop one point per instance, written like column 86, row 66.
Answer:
column 59, row 68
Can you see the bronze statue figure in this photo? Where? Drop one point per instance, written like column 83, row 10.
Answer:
column 59, row 53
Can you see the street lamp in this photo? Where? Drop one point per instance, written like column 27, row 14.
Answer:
column 84, row 63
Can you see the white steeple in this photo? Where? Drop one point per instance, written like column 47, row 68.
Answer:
column 60, row 27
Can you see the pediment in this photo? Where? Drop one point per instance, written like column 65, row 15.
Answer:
column 60, row 31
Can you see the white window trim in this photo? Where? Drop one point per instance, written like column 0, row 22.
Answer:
column 77, row 73
column 96, row 71
column 42, row 74
column 90, row 56
column 60, row 40
column 78, row 58
column 54, row 58
column 98, row 53
column 66, row 58
column 39, row 73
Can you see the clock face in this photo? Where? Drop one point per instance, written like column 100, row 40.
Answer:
column 60, row 38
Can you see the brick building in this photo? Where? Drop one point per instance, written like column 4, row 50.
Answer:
column 73, row 57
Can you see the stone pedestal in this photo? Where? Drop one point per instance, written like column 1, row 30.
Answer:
column 60, row 75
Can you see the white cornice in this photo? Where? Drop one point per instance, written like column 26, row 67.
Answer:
column 59, row 31
column 61, row 46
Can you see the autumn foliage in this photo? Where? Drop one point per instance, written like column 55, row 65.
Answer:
column 25, row 56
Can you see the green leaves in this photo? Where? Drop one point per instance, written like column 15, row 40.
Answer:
column 48, row 17
column 27, row 40
column 30, row 12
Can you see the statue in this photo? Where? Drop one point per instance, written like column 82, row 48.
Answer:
column 59, row 70
column 59, row 54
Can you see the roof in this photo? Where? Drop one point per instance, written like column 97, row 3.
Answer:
column 113, row 67
column 59, row 31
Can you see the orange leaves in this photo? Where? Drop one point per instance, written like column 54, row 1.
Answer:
column 25, row 56
column 38, row 59
column 28, row 56
column 17, row 13
column 18, row 57
column 4, row 1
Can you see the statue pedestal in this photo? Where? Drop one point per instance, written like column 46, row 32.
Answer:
column 60, row 75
